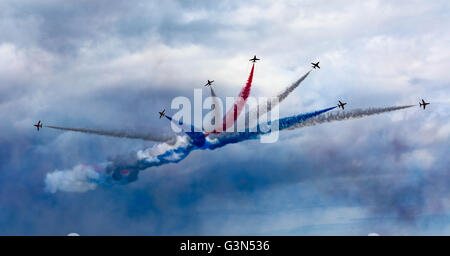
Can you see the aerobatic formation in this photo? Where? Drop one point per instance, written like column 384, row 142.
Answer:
column 172, row 149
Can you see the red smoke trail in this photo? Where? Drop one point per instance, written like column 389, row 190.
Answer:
column 230, row 118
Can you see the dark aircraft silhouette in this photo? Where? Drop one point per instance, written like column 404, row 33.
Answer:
column 162, row 113
column 209, row 83
column 342, row 104
column 38, row 125
column 423, row 104
column 315, row 65
column 254, row 59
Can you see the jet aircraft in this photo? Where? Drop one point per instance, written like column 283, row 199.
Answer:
column 209, row 83
column 162, row 113
column 423, row 104
column 342, row 104
column 254, row 59
column 315, row 65
column 38, row 125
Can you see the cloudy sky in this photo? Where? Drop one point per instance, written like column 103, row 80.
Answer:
column 114, row 64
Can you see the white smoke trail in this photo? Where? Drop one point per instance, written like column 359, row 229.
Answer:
column 266, row 107
column 150, row 155
column 121, row 134
column 344, row 115
column 217, row 111
column 81, row 178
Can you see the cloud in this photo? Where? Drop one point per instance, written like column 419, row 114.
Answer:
column 115, row 64
column 79, row 179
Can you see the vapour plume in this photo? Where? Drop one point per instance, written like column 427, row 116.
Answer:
column 126, row 170
column 288, row 122
column 217, row 111
column 266, row 107
column 81, row 178
column 285, row 123
column 233, row 113
column 345, row 115
column 197, row 138
column 283, row 95
column 213, row 93
column 163, row 153
column 121, row 134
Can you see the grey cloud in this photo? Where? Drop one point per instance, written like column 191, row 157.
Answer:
column 392, row 168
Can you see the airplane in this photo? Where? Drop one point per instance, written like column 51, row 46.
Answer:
column 162, row 113
column 209, row 83
column 315, row 65
column 254, row 59
column 38, row 125
column 423, row 104
column 341, row 104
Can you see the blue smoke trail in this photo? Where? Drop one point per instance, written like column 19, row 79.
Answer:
column 83, row 178
column 198, row 138
column 288, row 122
column 284, row 123
column 164, row 153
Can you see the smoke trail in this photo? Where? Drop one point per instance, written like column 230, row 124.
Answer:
column 123, row 171
column 80, row 179
column 288, row 122
column 344, row 115
column 197, row 138
column 231, row 116
column 267, row 106
column 120, row 134
column 220, row 140
column 163, row 153
column 217, row 111
column 157, row 155
column 213, row 93
column 283, row 95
